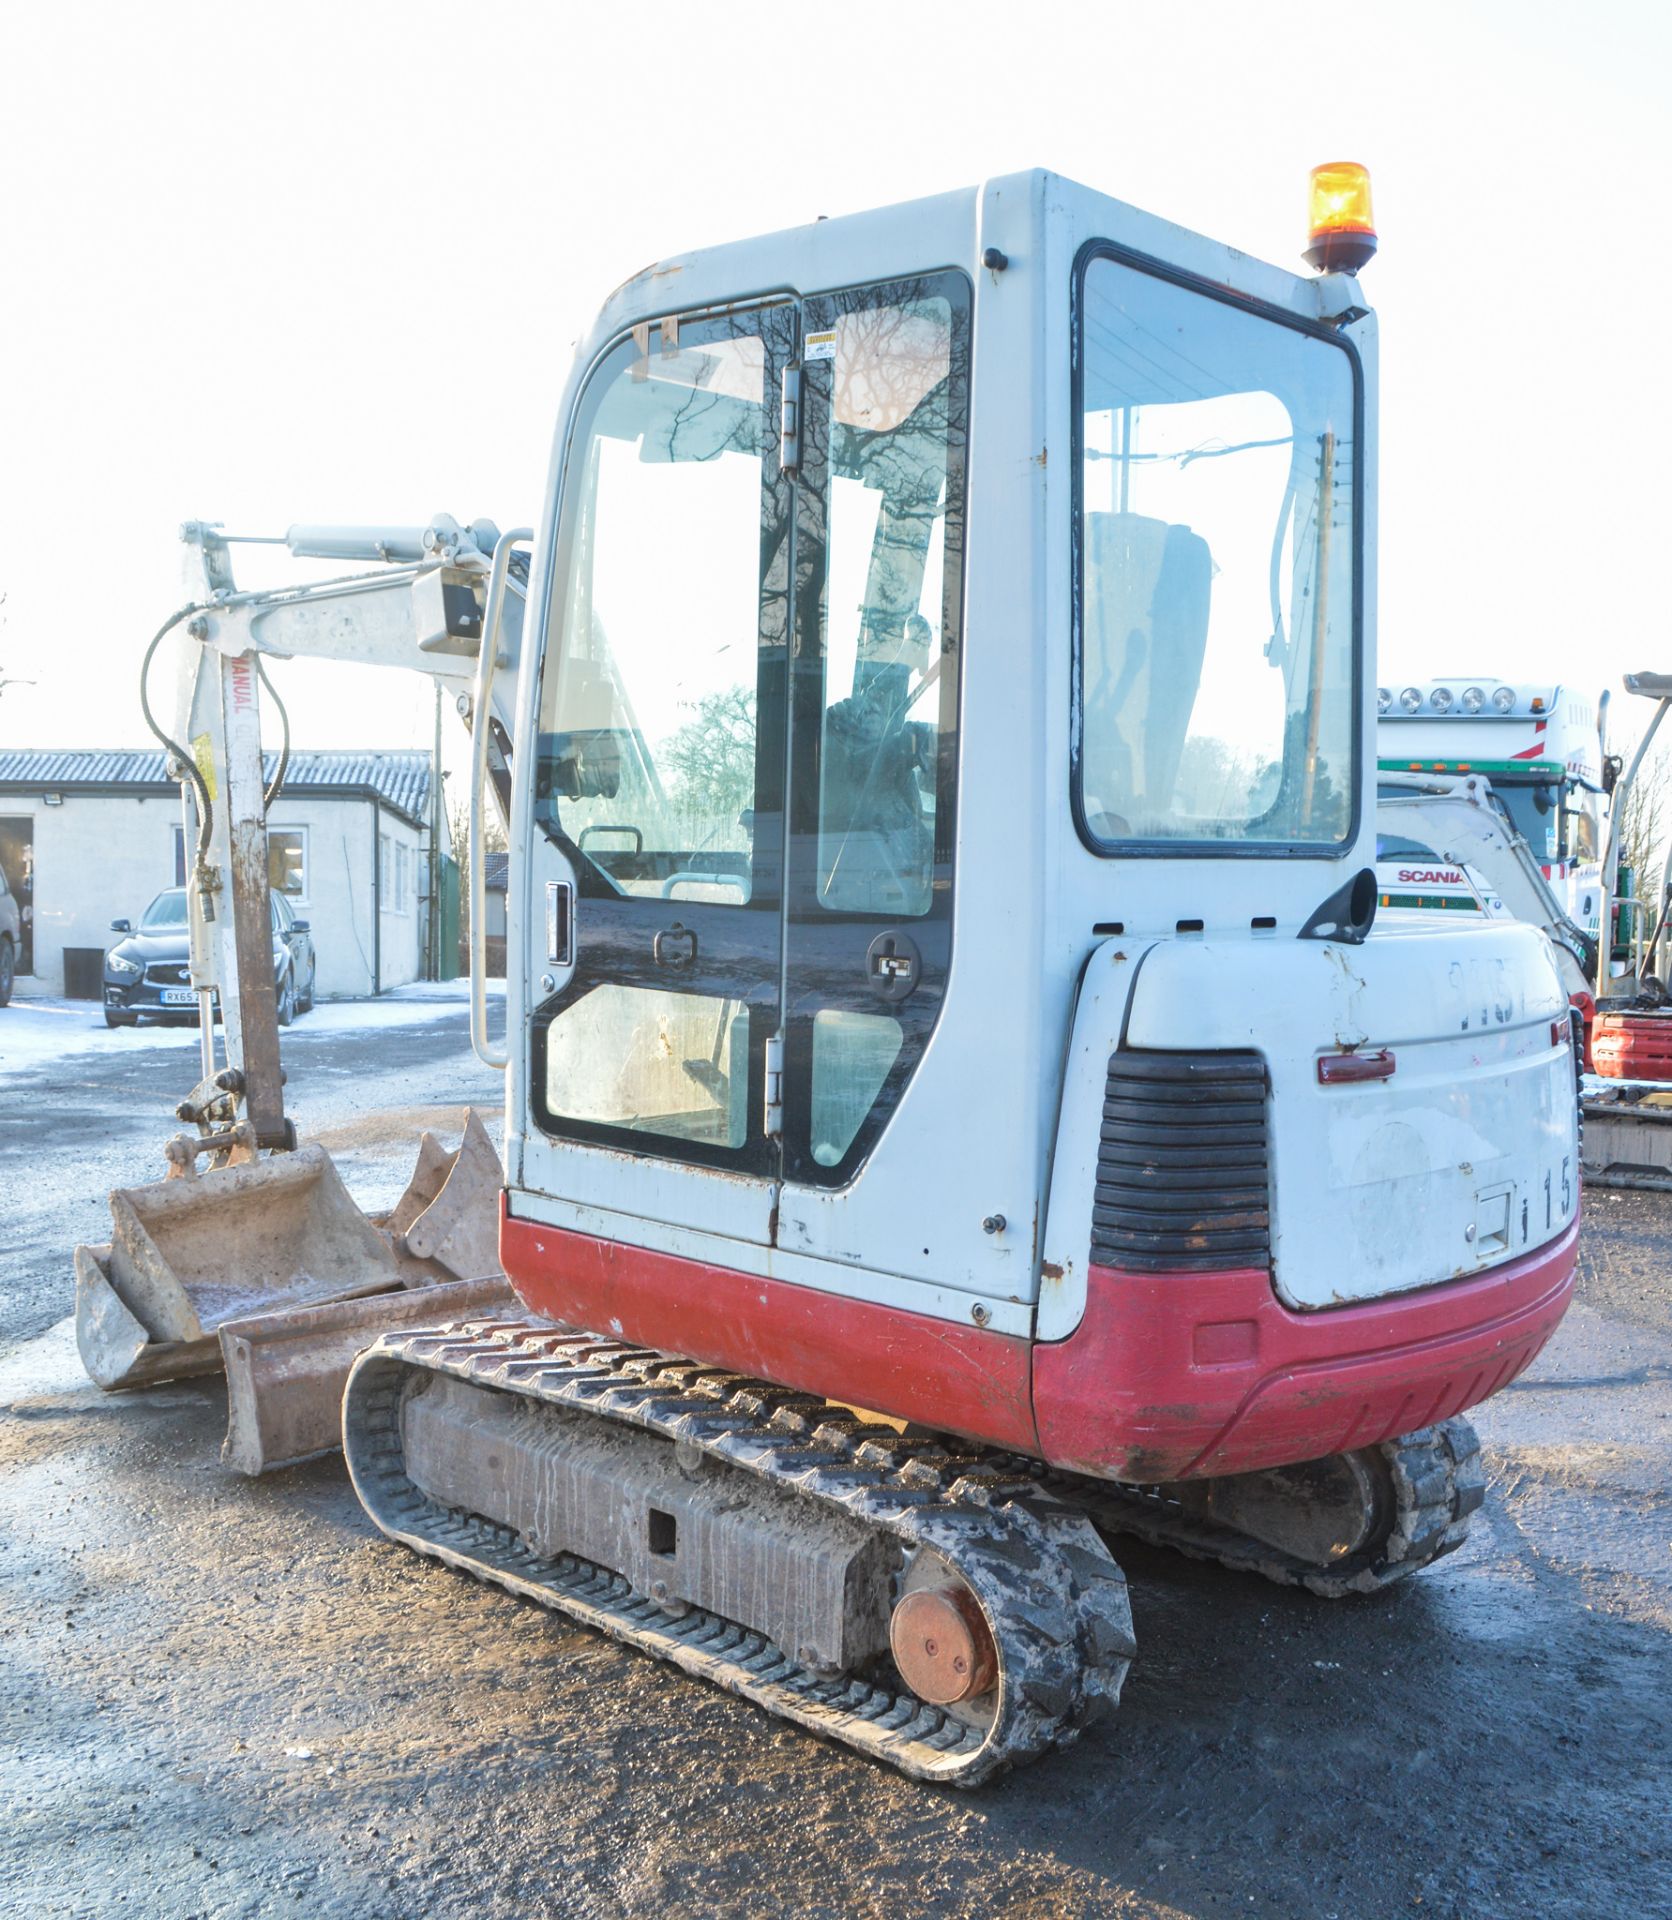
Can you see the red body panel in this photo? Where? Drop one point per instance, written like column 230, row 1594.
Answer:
column 1184, row 1375
column 1167, row 1377
column 957, row 1378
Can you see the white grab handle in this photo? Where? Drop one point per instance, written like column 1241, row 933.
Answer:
column 488, row 662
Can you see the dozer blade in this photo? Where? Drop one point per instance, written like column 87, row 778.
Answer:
column 187, row 1255
column 1352, row 1523
column 285, row 1372
column 1627, row 1142
column 459, row 1229
column 115, row 1349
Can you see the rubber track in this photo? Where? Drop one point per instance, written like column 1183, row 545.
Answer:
column 1435, row 1484
column 1056, row 1601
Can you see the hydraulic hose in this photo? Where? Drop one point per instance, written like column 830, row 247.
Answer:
column 272, row 792
column 205, row 806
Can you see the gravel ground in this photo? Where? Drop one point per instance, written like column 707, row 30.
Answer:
column 221, row 1698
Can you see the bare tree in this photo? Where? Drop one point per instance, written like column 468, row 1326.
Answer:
column 712, row 756
column 1642, row 825
column 458, row 833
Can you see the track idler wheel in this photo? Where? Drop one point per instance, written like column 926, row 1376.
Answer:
column 942, row 1644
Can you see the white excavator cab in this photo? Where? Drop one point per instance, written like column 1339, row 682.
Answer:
column 947, row 616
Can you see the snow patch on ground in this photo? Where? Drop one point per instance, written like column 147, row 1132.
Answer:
column 48, row 1364
column 36, row 1033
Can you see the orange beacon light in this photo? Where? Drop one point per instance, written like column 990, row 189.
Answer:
column 1340, row 227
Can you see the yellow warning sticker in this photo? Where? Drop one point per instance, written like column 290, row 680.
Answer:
column 819, row 346
column 204, row 754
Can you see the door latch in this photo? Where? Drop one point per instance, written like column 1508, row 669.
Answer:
column 675, row 948
column 774, row 1086
column 892, row 965
column 560, row 922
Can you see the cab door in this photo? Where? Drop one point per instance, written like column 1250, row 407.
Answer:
column 659, row 779
column 747, row 750
column 874, row 751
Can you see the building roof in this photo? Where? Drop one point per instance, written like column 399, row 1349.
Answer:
column 399, row 780
column 496, row 872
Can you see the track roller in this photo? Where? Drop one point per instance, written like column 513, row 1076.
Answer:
column 1353, row 1523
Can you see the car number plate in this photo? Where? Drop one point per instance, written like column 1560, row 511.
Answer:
column 179, row 997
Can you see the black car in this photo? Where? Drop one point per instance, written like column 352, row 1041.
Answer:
column 149, row 972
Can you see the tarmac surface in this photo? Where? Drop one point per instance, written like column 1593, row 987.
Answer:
column 221, row 1697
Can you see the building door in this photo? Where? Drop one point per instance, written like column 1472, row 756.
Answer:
column 17, row 862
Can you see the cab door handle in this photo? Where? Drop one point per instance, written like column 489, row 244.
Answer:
column 675, row 947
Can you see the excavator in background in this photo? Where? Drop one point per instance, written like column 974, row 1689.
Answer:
column 960, row 1109
column 1541, row 747
column 1460, row 821
column 1465, row 778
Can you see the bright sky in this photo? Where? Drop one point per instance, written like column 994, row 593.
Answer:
column 302, row 262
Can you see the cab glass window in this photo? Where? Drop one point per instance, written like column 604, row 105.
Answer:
column 678, row 1064
column 1535, row 810
column 647, row 753
column 893, row 444
column 1579, row 828
column 1216, row 465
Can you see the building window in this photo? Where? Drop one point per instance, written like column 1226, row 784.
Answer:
column 179, row 856
column 287, row 861
column 394, row 869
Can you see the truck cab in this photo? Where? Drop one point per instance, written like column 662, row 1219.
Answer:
column 1541, row 748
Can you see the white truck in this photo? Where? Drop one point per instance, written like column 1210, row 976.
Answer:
column 1542, row 749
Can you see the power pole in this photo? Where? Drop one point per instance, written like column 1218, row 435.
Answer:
column 434, row 940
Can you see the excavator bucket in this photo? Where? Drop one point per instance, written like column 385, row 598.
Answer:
column 115, row 1347
column 285, row 1372
column 429, row 1176
column 459, row 1229
column 187, row 1255
column 271, row 1271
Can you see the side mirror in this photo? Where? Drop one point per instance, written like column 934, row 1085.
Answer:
column 299, row 926
column 121, row 926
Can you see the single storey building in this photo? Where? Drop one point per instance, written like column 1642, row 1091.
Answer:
column 89, row 837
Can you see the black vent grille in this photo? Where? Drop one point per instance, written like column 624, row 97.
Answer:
column 1183, row 1164
column 168, row 973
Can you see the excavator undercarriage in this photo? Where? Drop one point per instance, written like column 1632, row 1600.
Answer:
column 950, row 1609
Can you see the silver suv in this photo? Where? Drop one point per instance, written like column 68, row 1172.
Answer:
column 11, row 938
